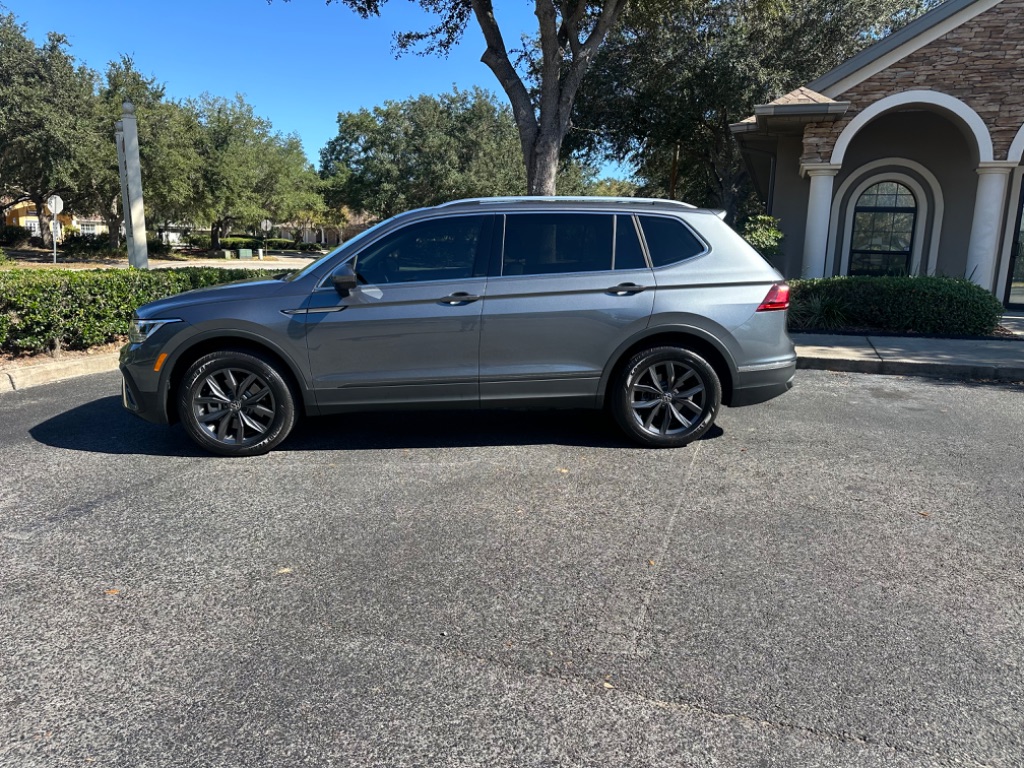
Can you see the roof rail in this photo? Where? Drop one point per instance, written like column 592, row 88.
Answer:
column 567, row 199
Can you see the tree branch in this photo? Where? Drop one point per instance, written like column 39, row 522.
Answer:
column 497, row 60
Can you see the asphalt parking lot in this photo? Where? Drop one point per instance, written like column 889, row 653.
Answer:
column 835, row 578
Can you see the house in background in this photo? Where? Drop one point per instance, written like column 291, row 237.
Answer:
column 906, row 158
column 24, row 215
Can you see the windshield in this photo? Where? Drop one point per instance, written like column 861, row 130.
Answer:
column 312, row 266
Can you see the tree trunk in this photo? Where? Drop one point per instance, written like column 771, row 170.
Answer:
column 674, row 176
column 542, row 167
column 112, row 216
column 44, row 224
column 565, row 59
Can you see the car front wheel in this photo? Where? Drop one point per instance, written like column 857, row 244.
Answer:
column 236, row 403
column 666, row 397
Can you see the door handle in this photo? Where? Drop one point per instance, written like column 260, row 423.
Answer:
column 627, row 289
column 456, row 299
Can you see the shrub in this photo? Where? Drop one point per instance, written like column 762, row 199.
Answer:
column 198, row 240
column 941, row 306
column 14, row 236
column 63, row 309
column 234, row 243
column 89, row 246
column 763, row 233
column 310, row 247
column 156, row 247
column 3, row 257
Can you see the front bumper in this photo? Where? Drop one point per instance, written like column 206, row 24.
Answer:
column 147, row 405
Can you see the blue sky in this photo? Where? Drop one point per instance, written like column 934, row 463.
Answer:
column 298, row 63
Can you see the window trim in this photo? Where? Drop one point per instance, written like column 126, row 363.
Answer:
column 930, row 207
column 498, row 254
column 914, row 251
column 480, row 263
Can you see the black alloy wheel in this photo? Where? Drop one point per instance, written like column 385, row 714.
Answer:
column 667, row 397
column 236, row 403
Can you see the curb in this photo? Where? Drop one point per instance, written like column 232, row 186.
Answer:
column 957, row 371
column 14, row 379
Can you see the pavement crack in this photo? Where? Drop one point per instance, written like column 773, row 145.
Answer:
column 874, row 349
column 841, row 737
column 720, row 715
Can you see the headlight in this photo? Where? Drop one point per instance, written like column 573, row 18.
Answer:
column 142, row 329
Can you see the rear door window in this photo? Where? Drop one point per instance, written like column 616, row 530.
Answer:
column 552, row 243
column 669, row 240
column 628, row 252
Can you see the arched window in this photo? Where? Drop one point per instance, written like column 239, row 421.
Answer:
column 883, row 230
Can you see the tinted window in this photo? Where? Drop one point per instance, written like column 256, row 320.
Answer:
column 442, row 249
column 547, row 243
column 669, row 240
column 628, row 253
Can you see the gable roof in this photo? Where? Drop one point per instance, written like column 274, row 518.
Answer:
column 917, row 34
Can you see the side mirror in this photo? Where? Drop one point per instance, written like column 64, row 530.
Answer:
column 344, row 280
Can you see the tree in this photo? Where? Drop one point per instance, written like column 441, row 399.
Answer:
column 673, row 77
column 168, row 134
column 246, row 172
column 570, row 32
column 43, row 94
column 421, row 152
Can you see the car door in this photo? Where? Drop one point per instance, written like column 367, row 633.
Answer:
column 567, row 289
column 410, row 331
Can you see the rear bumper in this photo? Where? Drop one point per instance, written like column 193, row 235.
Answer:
column 753, row 387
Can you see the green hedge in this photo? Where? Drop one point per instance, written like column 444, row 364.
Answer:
column 44, row 310
column 941, row 306
column 14, row 236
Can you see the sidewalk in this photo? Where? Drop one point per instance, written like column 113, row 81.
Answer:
column 965, row 359
column 969, row 359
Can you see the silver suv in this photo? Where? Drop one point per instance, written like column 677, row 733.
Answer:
column 654, row 309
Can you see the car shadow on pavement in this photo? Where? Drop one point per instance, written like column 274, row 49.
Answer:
column 103, row 426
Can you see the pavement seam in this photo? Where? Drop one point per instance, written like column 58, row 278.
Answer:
column 659, row 557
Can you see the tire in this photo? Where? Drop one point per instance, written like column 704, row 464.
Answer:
column 666, row 397
column 236, row 403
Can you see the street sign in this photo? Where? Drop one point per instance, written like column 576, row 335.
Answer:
column 266, row 225
column 55, row 205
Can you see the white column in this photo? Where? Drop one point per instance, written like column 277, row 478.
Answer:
column 819, row 213
column 135, row 215
column 989, row 207
column 126, row 206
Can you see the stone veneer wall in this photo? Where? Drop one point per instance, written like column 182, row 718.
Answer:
column 981, row 63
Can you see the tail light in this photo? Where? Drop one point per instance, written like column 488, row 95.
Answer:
column 777, row 299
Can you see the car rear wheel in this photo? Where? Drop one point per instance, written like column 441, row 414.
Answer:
column 666, row 397
column 236, row 403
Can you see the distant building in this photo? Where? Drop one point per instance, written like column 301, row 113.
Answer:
column 24, row 215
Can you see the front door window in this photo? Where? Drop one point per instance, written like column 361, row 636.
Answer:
column 883, row 230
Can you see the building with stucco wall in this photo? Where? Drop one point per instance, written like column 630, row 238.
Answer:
column 907, row 159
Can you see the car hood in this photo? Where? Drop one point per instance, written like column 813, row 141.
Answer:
column 241, row 290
